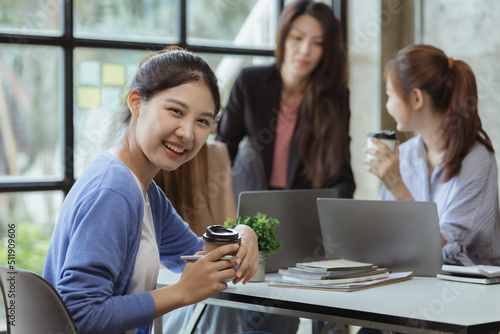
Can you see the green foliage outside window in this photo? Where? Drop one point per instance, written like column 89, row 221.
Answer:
column 31, row 244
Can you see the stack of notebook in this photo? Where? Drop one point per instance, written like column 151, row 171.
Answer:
column 480, row 274
column 337, row 274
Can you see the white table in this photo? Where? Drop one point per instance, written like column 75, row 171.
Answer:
column 422, row 304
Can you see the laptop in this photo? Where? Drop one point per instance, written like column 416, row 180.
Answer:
column 299, row 228
column 398, row 235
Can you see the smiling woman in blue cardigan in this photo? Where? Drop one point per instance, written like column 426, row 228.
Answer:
column 116, row 226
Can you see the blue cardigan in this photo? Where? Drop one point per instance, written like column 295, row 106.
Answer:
column 92, row 253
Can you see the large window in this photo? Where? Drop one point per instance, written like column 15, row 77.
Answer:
column 65, row 67
column 64, row 70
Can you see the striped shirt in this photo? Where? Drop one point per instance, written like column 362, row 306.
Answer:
column 467, row 204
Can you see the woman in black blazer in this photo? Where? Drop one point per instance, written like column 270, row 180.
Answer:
column 295, row 112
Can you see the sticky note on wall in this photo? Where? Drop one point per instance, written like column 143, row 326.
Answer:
column 88, row 97
column 113, row 74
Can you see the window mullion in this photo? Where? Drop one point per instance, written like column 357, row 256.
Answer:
column 182, row 23
column 68, row 124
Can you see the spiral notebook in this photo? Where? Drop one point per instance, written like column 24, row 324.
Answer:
column 479, row 274
column 337, row 275
column 347, row 287
column 333, row 264
column 466, row 279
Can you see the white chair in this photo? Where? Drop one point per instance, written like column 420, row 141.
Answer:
column 32, row 305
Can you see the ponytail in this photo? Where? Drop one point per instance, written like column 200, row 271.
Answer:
column 462, row 125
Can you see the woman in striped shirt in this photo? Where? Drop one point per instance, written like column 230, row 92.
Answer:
column 451, row 161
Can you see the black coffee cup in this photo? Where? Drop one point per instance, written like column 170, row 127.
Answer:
column 218, row 235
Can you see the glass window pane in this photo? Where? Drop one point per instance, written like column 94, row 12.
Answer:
column 236, row 23
column 127, row 20
column 27, row 221
column 30, row 112
column 32, row 17
column 227, row 67
column 102, row 78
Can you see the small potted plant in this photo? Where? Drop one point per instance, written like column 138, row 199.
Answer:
column 265, row 229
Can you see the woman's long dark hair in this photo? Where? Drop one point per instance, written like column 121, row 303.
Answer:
column 323, row 132
column 451, row 85
column 168, row 68
column 181, row 186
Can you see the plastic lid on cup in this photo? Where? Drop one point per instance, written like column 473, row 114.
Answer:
column 384, row 134
column 219, row 234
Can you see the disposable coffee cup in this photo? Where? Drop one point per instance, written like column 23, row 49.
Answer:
column 218, row 235
column 387, row 137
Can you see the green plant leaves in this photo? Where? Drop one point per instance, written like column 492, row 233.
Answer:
column 265, row 229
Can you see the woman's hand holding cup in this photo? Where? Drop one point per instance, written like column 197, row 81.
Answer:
column 208, row 276
column 383, row 161
column 382, row 155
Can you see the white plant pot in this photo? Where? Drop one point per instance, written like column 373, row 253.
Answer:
column 261, row 271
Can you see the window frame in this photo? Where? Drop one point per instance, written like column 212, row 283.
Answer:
column 68, row 42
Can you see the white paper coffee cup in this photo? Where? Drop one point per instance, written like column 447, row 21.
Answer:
column 387, row 137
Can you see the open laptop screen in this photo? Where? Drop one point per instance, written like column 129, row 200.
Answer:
column 398, row 235
column 299, row 224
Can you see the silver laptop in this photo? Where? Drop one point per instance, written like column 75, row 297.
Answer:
column 299, row 228
column 398, row 235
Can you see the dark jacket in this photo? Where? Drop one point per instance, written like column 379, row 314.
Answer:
column 252, row 111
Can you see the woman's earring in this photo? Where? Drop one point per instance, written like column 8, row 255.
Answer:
column 135, row 112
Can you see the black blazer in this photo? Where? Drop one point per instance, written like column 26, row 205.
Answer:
column 252, row 110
